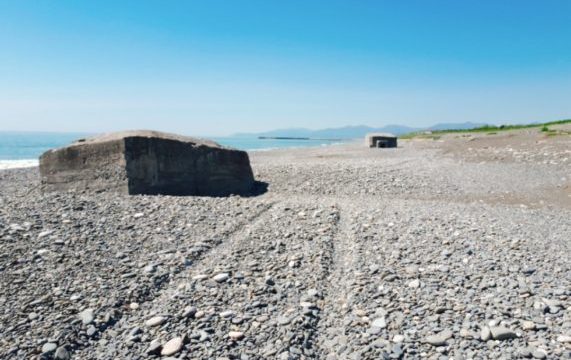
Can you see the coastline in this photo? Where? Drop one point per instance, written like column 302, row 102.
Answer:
column 18, row 164
column 6, row 164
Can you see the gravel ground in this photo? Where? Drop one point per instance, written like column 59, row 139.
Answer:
column 456, row 248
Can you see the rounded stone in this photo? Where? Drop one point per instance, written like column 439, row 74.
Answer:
column 172, row 346
column 398, row 338
column 502, row 333
column 439, row 339
column 220, row 278
column 189, row 311
column 62, row 354
column 537, row 354
column 380, row 323
column 87, row 316
column 414, row 284
column 155, row 321
column 485, row 334
column 236, row 335
column 227, row 314
column 49, row 348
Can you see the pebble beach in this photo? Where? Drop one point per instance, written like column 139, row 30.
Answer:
column 452, row 247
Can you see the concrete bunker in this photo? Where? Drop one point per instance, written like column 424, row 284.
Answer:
column 381, row 140
column 148, row 162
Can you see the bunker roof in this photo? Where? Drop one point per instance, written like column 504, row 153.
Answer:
column 386, row 135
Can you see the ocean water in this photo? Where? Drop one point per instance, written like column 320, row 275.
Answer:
column 22, row 149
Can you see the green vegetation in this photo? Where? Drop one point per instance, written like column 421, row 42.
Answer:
column 490, row 129
column 420, row 135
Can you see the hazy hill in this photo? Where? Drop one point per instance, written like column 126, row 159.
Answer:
column 351, row 132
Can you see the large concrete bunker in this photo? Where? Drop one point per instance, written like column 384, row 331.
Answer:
column 148, row 162
column 381, row 140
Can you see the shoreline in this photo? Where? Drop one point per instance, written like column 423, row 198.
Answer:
column 18, row 164
column 7, row 164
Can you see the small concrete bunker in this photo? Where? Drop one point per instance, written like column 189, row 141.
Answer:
column 381, row 140
column 147, row 162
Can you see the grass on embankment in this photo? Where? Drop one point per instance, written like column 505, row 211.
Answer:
column 490, row 129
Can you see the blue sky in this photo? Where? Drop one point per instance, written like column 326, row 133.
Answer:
column 219, row 67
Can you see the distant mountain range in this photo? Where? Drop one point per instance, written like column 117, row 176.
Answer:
column 352, row 132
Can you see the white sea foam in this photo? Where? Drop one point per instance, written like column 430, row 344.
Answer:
column 16, row 164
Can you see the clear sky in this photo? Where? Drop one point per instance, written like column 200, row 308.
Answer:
column 217, row 67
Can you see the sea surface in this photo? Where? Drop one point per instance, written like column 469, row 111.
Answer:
column 22, row 149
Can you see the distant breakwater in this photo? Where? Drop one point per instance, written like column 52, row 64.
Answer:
column 294, row 138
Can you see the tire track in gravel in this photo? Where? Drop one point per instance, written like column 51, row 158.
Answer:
column 202, row 248
column 344, row 275
column 202, row 254
column 276, row 270
column 163, row 286
column 221, row 243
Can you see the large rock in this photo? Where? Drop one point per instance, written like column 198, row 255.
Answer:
column 147, row 162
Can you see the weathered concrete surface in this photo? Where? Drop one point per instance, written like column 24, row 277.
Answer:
column 147, row 162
